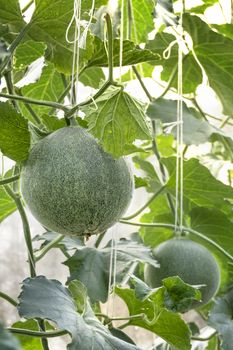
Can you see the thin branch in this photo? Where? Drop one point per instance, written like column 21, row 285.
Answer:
column 206, row 338
column 155, row 195
column 194, row 100
column 50, row 334
column 110, row 47
column 184, row 228
column 26, row 7
column 142, row 83
column 225, row 121
column 48, row 247
column 35, row 102
column 170, row 81
column 13, row 46
column 9, row 180
column 26, row 228
column 10, row 85
column 8, row 298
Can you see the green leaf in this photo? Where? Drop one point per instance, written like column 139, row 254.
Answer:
column 68, row 242
column 132, row 54
column 49, row 87
column 145, row 70
column 212, row 344
column 28, row 52
column 179, row 296
column 118, row 121
column 151, row 176
column 116, row 332
column 92, row 77
column 91, row 266
column 221, row 319
column 166, row 324
column 8, row 341
column 52, row 123
column 196, row 131
column 142, row 14
column 11, row 15
column 79, row 294
column 175, row 295
column 193, row 75
column 201, row 8
column 7, row 205
column 49, row 23
column 14, row 133
column 215, row 225
column 200, row 186
column 160, row 211
column 214, row 52
column 48, row 299
column 140, row 182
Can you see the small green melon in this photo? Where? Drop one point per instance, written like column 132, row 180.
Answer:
column 191, row 261
column 72, row 186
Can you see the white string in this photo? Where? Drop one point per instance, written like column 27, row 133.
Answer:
column 78, row 42
column 121, row 38
column 180, row 141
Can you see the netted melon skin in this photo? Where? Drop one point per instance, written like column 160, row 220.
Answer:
column 189, row 260
column 72, row 186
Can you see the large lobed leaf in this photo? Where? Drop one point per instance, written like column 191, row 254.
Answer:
column 15, row 136
column 141, row 12
column 214, row 52
column 91, row 266
column 132, row 54
column 201, row 188
column 117, row 122
column 48, row 299
column 157, row 319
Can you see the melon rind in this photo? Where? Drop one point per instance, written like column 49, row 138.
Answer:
column 189, row 260
column 72, row 186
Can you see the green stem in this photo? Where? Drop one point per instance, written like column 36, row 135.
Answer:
column 50, row 334
column 26, row 7
column 184, row 228
column 13, row 46
column 99, row 93
column 206, row 338
column 224, row 122
column 48, row 247
column 124, row 325
column 199, row 108
column 142, row 83
column 35, row 102
column 10, row 85
column 26, row 228
column 172, row 77
column 8, row 298
column 9, row 180
column 120, row 318
column 99, row 239
column 155, row 195
column 218, row 119
column 110, row 47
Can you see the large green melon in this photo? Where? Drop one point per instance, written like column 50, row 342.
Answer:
column 192, row 262
column 72, row 186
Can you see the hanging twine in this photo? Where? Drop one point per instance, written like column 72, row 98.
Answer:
column 180, row 141
column 79, row 41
